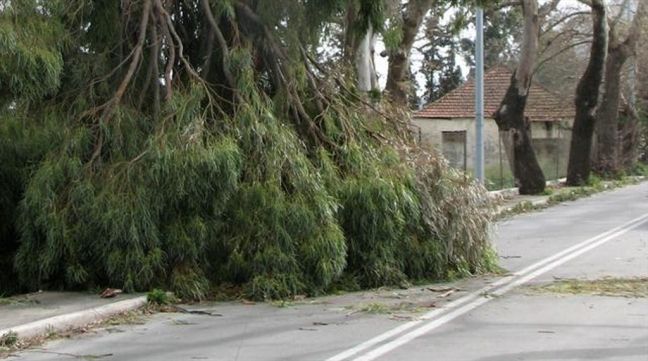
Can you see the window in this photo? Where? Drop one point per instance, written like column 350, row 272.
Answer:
column 453, row 145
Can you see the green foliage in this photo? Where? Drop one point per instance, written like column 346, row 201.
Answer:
column 501, row 30
column 374, row 216
column 594, row 181
column 24, row 144
column 280, row 236
column 547, row 192
column 640, row 169
column 440, row 69
column 9, row 339
column 30, row 53
column 150, row 211
column 393, row 35
column 158, row 297
column 267, row 178
column 370, row 13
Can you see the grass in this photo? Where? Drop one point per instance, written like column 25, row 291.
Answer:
column 158, row 297
column 375, row 308
column 14, row 300
column 520, row 208
column 595, row 185
column 378, row 308
column 613, row 287
column 548, row 191
column 640, row 169
column 9, row 339
column 566, row 194
column 282, row 303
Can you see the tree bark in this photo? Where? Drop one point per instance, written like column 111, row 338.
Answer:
column 587, row 99
column 629, row 136
column 608, row 158
column 359, row 50
column 510, row 119
column 397, row 85
column 607, row 117
column 364, row 62
column 350, row 35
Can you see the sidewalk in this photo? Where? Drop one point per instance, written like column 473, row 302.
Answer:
column 510, row 199
column 40, row 313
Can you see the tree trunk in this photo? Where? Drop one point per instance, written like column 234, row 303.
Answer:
column 587, row 98
column 629, row 136
column 513, row 126
column 607, row 117
column 350, row 36
column 398, row 72
column 364, row 62
column 608, row 159
column 359, row 50
column 514, row 129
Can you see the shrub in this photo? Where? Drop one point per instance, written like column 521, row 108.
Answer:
column 158, row 297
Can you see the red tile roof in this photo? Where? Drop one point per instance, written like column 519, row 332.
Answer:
column 542, row 105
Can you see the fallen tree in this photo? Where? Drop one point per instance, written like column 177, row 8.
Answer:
column 188, row 144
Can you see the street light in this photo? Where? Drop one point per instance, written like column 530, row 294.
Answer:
column 479, row 96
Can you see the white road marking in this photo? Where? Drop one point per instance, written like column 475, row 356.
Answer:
column 475, row 299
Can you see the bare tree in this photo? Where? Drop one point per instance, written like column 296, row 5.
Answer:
column 564, row 44
column 587, row 99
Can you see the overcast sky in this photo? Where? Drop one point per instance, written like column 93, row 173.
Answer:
column 381, row 63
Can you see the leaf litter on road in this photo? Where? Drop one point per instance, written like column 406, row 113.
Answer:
column 609, row 286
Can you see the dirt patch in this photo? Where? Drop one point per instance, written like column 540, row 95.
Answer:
column 615, row 287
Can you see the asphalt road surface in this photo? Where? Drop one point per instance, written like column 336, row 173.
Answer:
column 498, row 318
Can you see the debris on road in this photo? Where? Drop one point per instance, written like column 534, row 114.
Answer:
column 613, row 287
column 110, row 292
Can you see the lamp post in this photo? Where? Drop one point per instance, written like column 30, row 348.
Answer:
column 479, row 96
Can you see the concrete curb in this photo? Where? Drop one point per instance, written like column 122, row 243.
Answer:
column 536, row 203
column 510, row 192
column 75, row 319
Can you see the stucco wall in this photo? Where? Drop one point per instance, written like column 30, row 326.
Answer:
column 551, row 143
column 430, row 132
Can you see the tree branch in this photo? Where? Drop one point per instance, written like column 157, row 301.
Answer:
column 222, row 44
column 137, row 55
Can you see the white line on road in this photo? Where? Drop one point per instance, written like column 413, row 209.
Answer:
column 475, row 299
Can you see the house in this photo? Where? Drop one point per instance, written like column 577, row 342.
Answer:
column 449, row 124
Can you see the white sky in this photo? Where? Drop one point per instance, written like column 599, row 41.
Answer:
column 381, row 63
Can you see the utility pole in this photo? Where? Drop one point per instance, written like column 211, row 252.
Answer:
column 479, row 96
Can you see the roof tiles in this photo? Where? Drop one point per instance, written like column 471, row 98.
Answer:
column 542, row 105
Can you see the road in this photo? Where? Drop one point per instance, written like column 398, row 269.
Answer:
column 498, row 318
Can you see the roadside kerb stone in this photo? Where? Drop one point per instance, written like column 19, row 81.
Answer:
column 74, row 320
column 512, row 192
